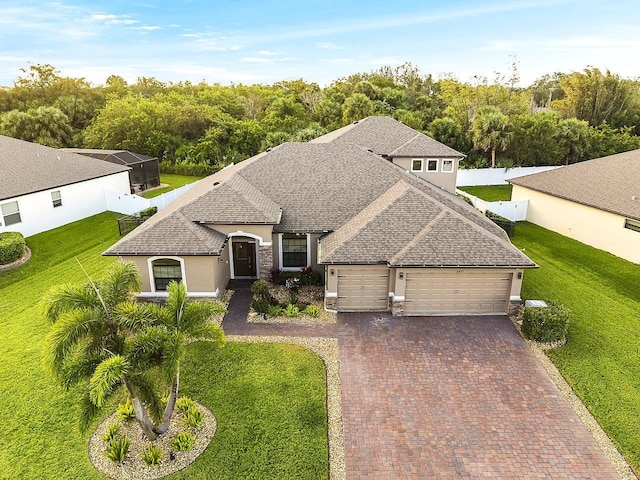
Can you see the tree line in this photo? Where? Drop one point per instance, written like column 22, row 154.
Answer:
column 561, row 118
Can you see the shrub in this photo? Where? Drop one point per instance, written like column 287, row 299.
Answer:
column 291, row 311
column 112, row 433
column 306, row 275
column 12, row 246
column 188, row 168
column 184, row 404
column 126, row 412
column 260, row 288
column 274, row 311
column 260, row 305
column 546, row 324
column 117, row 449
column 193, row 418
column 183, row 441
column 312, row 310
column 147, row 212
column 275, row 275
column 152, row 455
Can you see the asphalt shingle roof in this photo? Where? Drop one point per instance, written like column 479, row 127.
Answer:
column 386, row 136
column 378, row 213
column 27, row 167
column 608, row 183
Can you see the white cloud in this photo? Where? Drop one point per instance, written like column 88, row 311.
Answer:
column 328, row 46
column 267, row 52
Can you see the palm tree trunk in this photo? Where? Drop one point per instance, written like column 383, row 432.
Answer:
column 493, row 158
column 168, row 411
column 142, row 417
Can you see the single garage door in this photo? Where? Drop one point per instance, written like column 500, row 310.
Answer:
column 363, row 289
column 442, row 291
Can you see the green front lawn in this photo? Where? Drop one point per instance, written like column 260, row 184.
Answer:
column 601, row 360
column 269, row 399
column 173, row 182
column 490, row 193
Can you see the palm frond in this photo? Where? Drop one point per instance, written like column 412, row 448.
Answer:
column 209, row 331
column 147, row 349
column 197, row 313
column 106, row 378
column 134, row 316
column 88, row 412
column 118, row 283
column 70, row 329
column 79, row 367
column 171, row 356
column 62, row 299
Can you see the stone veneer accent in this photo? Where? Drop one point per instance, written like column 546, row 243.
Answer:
column 331, row 303
column 266, row 261
column 397, row 308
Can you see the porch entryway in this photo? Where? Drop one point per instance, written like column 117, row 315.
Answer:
column 244, row 258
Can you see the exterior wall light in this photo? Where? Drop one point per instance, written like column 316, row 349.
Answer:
column 332, row 272
column 401, row 275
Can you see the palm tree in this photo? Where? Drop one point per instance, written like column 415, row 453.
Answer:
column 490, row 131
column 104, row 340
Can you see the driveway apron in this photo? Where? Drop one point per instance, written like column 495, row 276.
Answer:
column 455, row 397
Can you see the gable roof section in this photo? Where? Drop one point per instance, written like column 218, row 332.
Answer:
column 119, row 157
column 414, row 230
column 386, row 136
column 231, row 202
column 27, row 167
column 607, row 183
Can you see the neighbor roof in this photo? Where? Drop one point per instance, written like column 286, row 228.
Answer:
column 609, row 183
column 27, row 167
column 120, row 157
column 373, row 207
column 386, row 136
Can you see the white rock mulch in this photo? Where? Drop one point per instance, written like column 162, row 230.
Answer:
column 602, row 439
column 327, row 350
column 133, row 466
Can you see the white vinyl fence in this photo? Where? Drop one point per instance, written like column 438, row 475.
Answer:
column 515, row 211
column 495, row 176
column 129, row 204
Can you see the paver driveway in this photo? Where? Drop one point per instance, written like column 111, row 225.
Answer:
column 454, row 397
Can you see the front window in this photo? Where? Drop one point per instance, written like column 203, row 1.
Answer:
column 56, row 198
column 294, row 250
column 11, row 213
column 164, row 271
column 432, row 165
column 416, row 165
column 447, row 165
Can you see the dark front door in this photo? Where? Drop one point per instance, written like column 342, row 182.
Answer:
column 244, row 259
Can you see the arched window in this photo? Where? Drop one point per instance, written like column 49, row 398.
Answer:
column 164, row 271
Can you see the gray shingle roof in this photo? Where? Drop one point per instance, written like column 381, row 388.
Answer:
column 386, row 136
column 607, row 183
column 377, row 211
column 27, row 167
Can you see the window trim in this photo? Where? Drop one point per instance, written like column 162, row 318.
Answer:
column 152, row 279
column 633, row 225
column 434, row 160
column 58, row 200
column 447, row 160
column 280, row 252
column 421, row 160
column 17, row 212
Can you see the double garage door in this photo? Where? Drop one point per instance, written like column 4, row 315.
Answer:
column 428, row 291
column 446, row 292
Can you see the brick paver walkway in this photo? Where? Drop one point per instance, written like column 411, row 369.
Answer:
column 445, row 397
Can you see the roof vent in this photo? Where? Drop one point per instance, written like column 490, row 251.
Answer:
column 356, row 122
column 216, row 184
column 268, row 149
column 369, row 150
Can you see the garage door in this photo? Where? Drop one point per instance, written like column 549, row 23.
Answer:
column 363, row 289
column 440, row 292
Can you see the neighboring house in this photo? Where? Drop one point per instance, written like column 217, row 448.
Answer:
column 44, row 188
column 144, row 173
column 383, row 238
column 404, row 146
column 596, row 202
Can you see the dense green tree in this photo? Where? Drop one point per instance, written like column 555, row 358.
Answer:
column 573, row 139
column 44, row 125
column 449, row 132
column 534, row 139
column 357, row 107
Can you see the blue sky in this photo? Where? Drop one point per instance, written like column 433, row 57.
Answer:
column 265, row 41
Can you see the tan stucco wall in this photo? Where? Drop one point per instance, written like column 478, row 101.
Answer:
column 588, row 225
column 143, row 270
column 446, row 180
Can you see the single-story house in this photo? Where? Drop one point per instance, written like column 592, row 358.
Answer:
column 383, row 238
column 596, row 202
column 412, row 150
column 44, row 188
column 144, row 171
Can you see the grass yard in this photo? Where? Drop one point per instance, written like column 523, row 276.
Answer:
column 269, row 399
column 173, row 182
column 490, row 193
column 601, row 360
